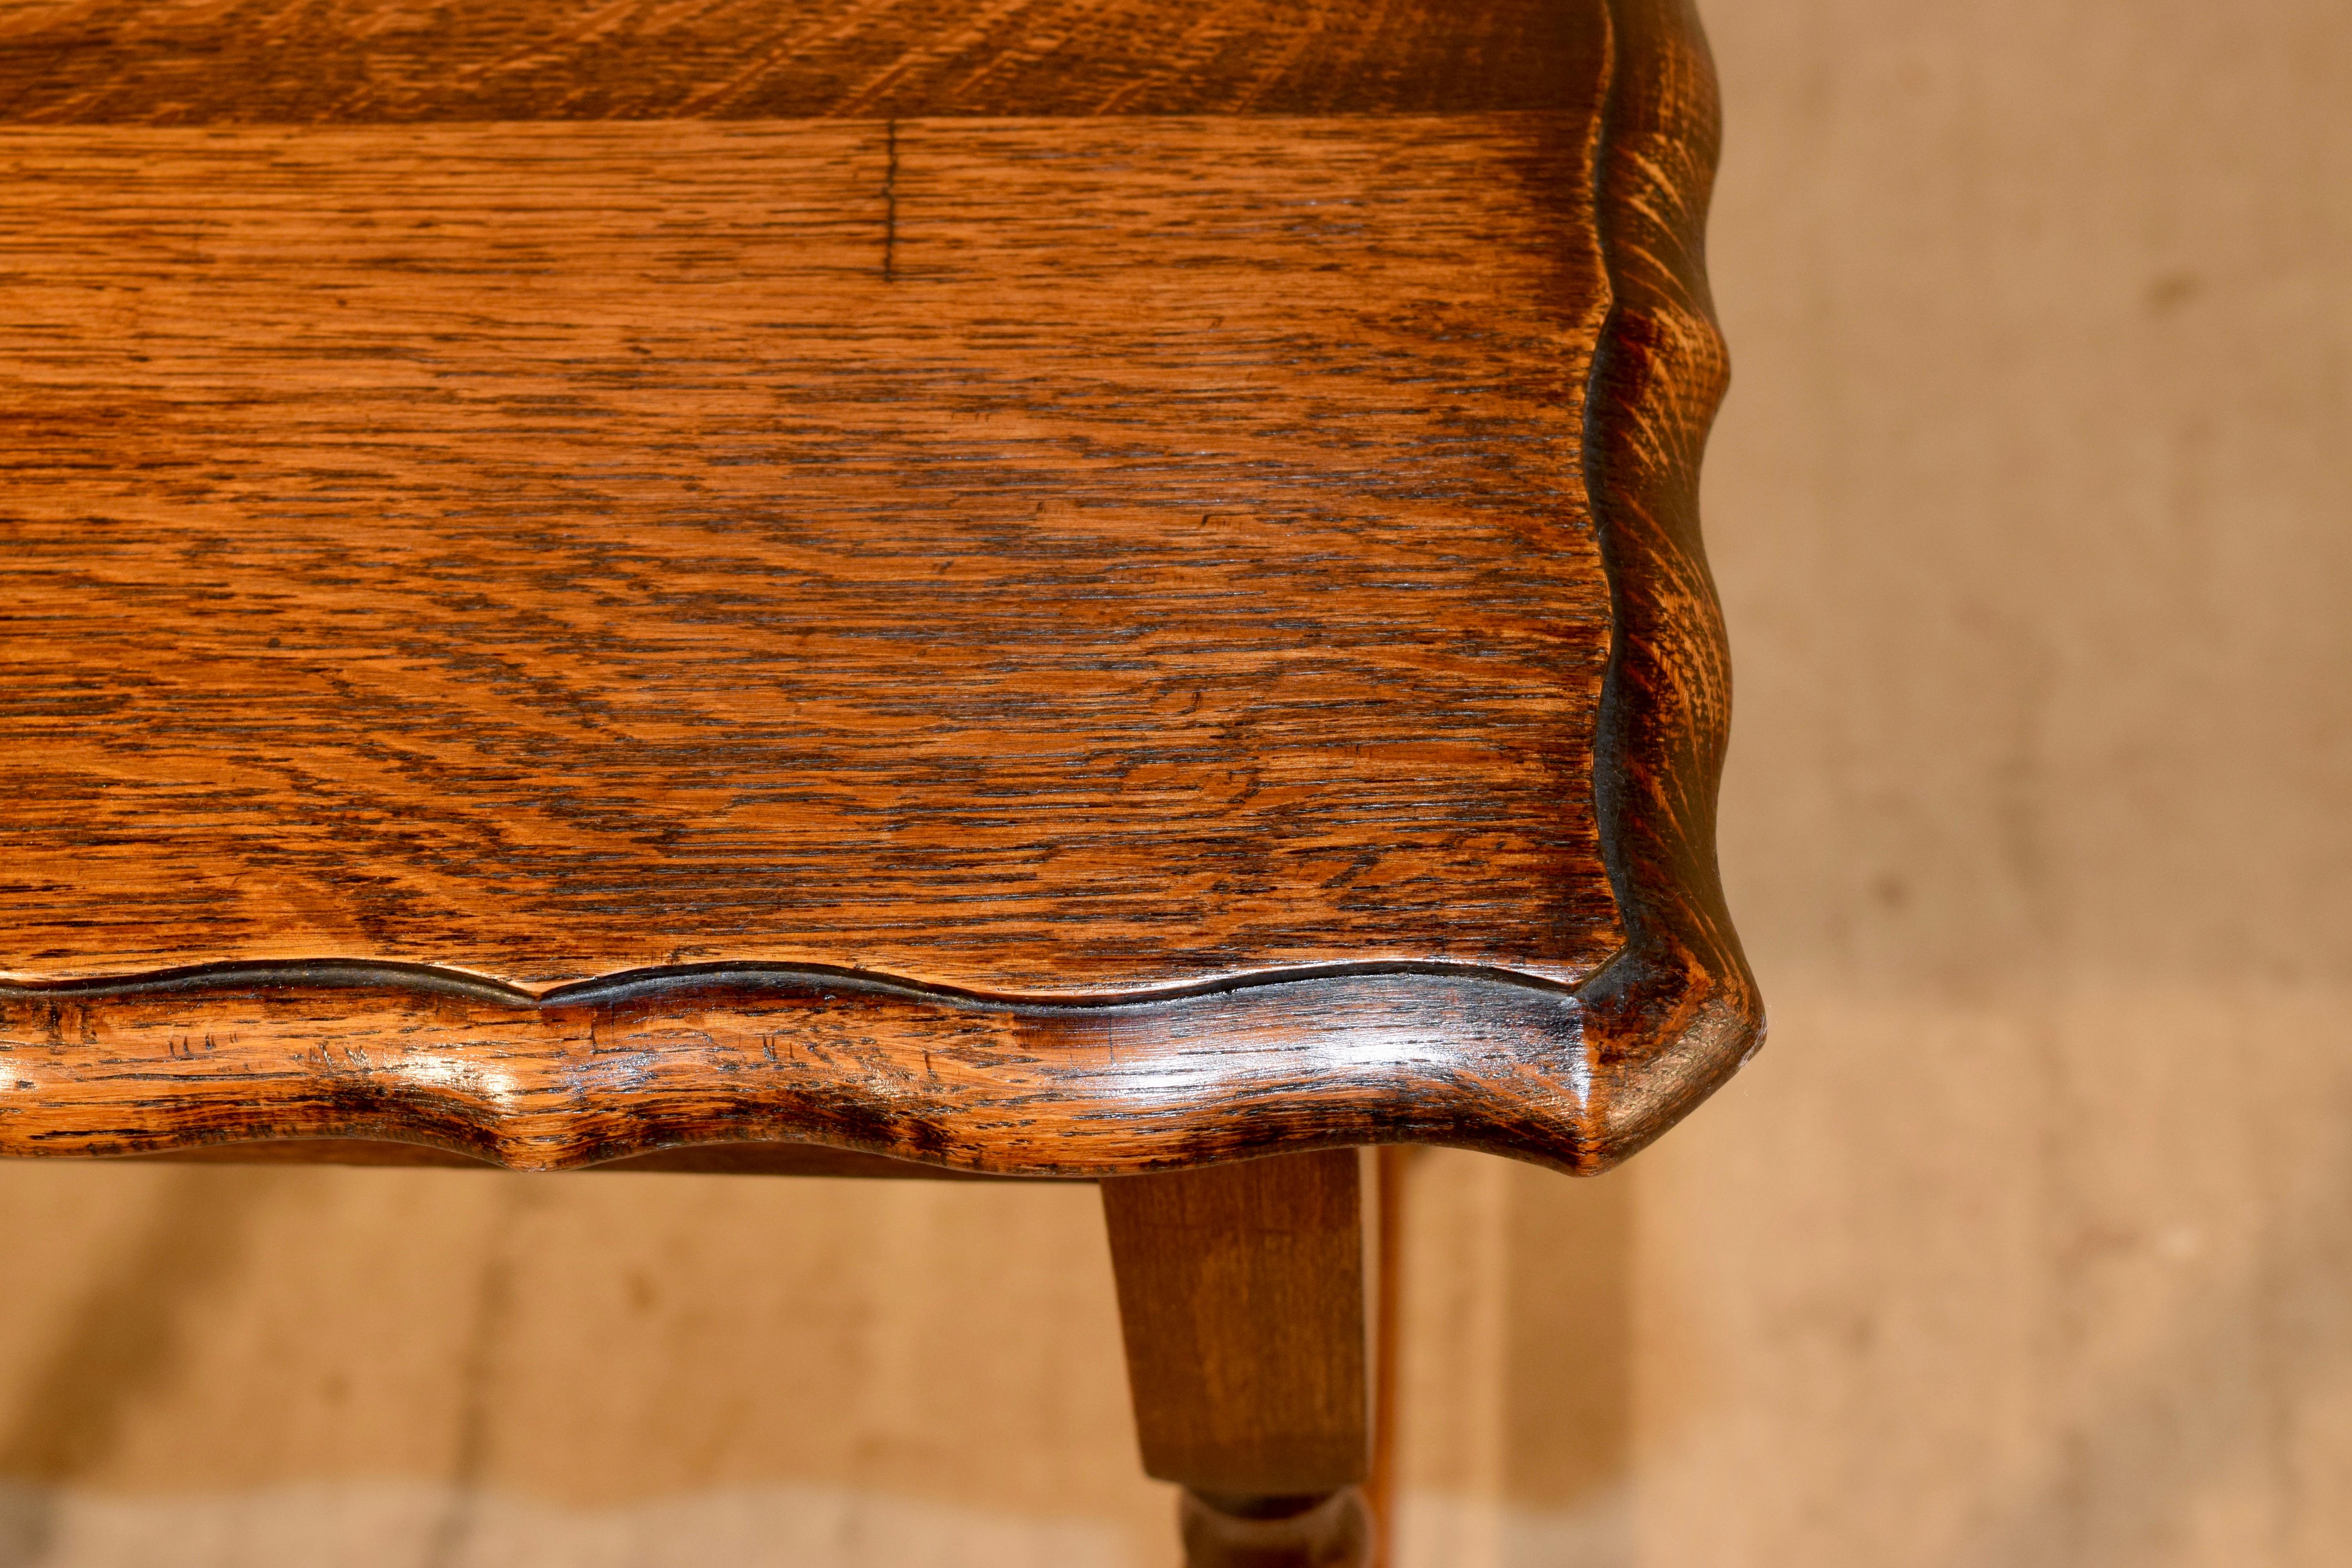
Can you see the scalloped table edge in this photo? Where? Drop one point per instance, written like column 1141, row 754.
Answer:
column 1347, row 1054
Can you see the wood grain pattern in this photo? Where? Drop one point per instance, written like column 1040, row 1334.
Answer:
column 1677, row 1012
column 378, row 61
column 609, row 1069
column 766, row 1159
column 1138, row 704
column 545, row 552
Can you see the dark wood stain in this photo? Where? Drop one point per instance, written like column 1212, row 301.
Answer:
column 1053, row 646
column 612, row 1069
column 1677, row 1012
column 700, row 1158
column 548, row 550
column 91, row 62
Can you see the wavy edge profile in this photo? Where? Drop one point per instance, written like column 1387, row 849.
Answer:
column 715, row 1054
column 1293, row 1059
column 1677, row 1012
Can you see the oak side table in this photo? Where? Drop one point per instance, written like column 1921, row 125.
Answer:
column 1085, row 589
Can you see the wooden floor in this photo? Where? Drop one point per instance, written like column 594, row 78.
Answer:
column 2026, row 1244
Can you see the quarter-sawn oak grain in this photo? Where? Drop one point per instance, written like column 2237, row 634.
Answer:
column 1115, row 553
column 1677, row 1011
column 1309, row 471
column 387, row 61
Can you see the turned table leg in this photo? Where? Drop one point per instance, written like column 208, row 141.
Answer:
column 1240, row 1288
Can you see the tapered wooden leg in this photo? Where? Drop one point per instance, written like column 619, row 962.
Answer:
column 1241, row 1289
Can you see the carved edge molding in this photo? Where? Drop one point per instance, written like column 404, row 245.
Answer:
column 1676, row 1011
column 1332, row 1055
column 663, row 1059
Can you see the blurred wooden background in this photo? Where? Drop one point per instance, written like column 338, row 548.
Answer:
column 2027, row 1242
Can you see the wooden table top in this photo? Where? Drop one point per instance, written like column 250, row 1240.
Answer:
column 1044, row 589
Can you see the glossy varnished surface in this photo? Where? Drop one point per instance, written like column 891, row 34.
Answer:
column 1034, row 556
column 1677, row 1012
column 265, row 62
column 1036, row 646
column 602, row 1072
column 744, row 1158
